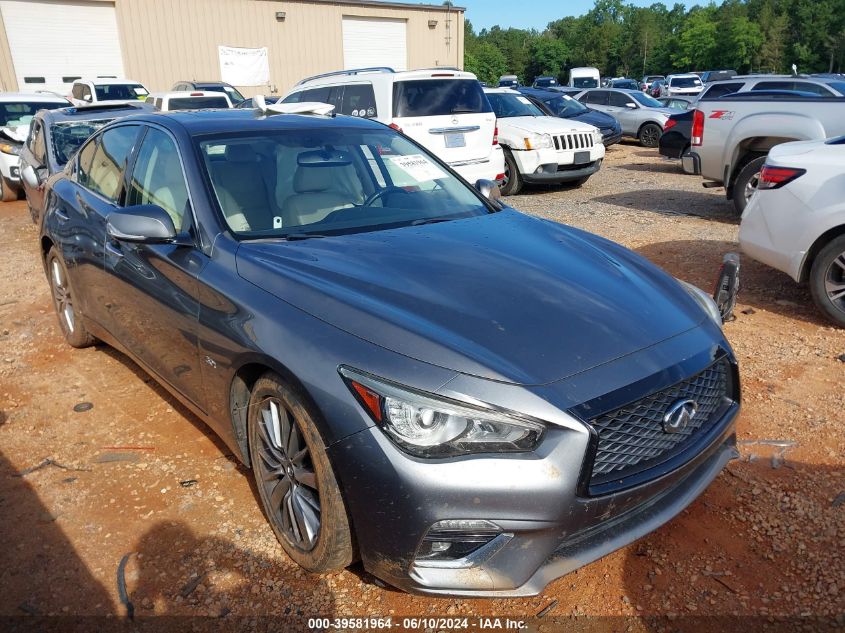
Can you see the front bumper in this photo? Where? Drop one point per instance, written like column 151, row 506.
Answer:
column 556, row 166
column 548, row 529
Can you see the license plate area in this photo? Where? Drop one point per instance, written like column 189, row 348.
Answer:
column 582, row 158
column 455, row 139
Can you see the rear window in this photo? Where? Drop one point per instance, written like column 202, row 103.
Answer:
column 437, row 97
column 67, row 137
column 685, row 82
column 721, row 89
column 196, row 103
column 585, row 82
column 120, row 92
column 21, row 113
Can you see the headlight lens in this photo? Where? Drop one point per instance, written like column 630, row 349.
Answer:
column 597, row 137
column 8, row 148
column 705, row 301
column 538, row 141
column 427, row 425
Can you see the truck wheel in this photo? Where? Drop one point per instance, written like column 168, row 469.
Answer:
column 827, row 280
column 746, row 183
column 512, row 183
column 650, row 135
column 7, row 192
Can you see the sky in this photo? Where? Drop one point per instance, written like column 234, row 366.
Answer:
column 534, row 13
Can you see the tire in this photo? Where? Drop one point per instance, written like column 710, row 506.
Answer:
column 300, row 495
column 7, row 192
column 512, row 184
column 71, row 322
column 649, row 135
column 746, row 183
column 827, row 280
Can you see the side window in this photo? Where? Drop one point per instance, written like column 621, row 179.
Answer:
column 77, row 91
column 597, row 97
column 38, row 148
column 84, row 160
column 806, row 86
column 620, row 99
column 157, row 178
column 359, row 100
column 317, row 94
column 294, row 97
column 106, row 173
column 720, row 89
column 86, row 93
column 158, row 103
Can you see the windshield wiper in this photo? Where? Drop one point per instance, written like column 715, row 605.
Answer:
column 422, row 221
column 295, row 237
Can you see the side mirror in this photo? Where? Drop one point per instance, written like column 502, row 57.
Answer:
column 30, row 177
column 145, row 223
column 631, row 105
column 87, row 98
column 491, row 191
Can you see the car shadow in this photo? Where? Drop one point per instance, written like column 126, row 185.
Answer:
column 41, row 573
column 761, row 287
column 666, row 166
column 674, row 202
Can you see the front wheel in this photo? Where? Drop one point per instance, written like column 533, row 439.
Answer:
column 650, row 135
column 512, row 183
column 64, row 301
column 746, row 183
column 295, row 480
column 827, row 280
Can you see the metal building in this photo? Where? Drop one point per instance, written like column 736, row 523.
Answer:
column 46, row 44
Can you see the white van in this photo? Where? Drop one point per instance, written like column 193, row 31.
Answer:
column 587, row 77
column 443, row 109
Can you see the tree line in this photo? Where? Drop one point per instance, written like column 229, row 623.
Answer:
column 624, row 40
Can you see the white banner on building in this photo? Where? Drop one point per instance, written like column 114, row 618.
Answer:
column 244, row 66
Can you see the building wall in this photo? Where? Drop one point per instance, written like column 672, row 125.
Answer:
column 8, row 82
column 167, row 40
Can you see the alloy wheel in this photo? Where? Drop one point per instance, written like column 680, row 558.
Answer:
column 287, row 475
column 650, row 137
column 834, row 282
column 751, row 186
column 61, row 295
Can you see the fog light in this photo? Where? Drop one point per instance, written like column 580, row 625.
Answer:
column 539, row 170
column 456, row 539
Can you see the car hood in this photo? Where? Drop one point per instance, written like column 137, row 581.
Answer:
column 505, row 296
column 598, row 119
column 541, row 125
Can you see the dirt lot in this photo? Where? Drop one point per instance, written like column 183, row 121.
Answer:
column 138, row 473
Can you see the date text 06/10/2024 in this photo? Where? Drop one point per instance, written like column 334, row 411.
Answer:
column 416, row 624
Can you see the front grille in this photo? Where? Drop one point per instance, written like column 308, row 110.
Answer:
column 632, row 437
column 577, row 140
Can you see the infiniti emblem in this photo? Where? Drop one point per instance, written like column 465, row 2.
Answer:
column 679, row 416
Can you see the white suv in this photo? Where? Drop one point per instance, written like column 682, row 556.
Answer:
column 444, row 110
column 188, row 100
column 106, row 90
column 685, row 85
column 539, row 148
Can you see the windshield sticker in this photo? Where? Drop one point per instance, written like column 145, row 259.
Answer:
column 417, row 167
column 523, row 100
column 141, row 91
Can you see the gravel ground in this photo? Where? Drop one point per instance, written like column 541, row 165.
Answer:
column 138, row 474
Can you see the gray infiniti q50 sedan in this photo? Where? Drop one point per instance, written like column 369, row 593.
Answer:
column 472, row 400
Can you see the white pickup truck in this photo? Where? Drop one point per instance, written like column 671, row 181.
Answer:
column 732, row 135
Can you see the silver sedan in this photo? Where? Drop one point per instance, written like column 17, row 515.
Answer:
column 640, row 115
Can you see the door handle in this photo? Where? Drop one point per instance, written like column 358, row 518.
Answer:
column 113, row 250
column 62, row 216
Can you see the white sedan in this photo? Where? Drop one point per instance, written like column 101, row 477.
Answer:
column 540, row 148
column 795, row 221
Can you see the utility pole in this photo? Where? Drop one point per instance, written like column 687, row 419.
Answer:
column 645, row 52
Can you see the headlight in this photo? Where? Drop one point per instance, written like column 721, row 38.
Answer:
column 705, row 301
column 8, row 148
column 597, row 137
column 538, row 141
column 428, row 425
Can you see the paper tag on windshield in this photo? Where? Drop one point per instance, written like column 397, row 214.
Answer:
column 523, row 100
column 417, row 167
column 140, row 91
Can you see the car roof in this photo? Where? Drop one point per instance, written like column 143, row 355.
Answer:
column 200, row 122
column 539, row 93
column 106, row 81
column 94, row 112
column 170, row 94
column 383, row 73
column 14, row 97
column 683, row 75
column 206, row 83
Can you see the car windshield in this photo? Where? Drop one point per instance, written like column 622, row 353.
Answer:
column 565, row 106
column 585, row 82
column 547, row 81
column 628, row 84
column 21, row 112
column 685, row 82
column 645, row 100
column 314, row 182
column 68, row 136
column 508, row 105
column 195, row 103
column 437, row 97
column 120, row 92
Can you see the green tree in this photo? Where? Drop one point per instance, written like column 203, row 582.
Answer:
column 548, row 56
column 697, row 41
column 487, row 62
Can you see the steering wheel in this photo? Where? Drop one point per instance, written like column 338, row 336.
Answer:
column 378, row 194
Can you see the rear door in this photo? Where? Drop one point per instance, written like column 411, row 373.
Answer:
column 449, row 116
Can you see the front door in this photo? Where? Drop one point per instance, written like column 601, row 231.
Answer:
column 153, row 287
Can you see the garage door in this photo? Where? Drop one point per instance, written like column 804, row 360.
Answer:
column 371, row 42
column 55, row 42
